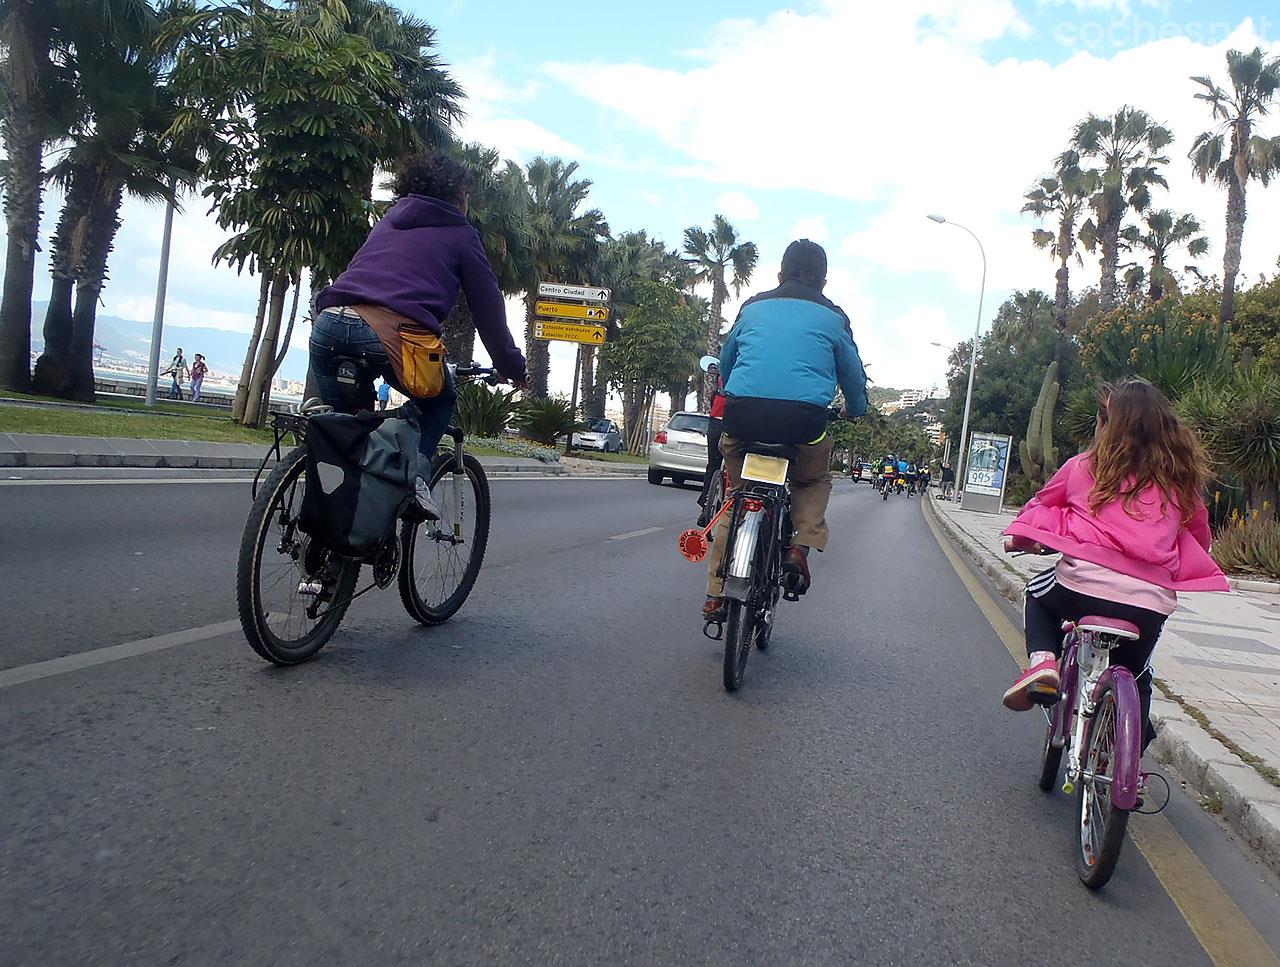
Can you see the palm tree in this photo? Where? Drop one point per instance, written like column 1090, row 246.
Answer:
column 34, row 96
column 1128, row 147
column 1062, row 196
column 563, row 246
column 1254, row 84
column 1164, row 233
column 499, row 211
column 119, row 148
column 710, row 255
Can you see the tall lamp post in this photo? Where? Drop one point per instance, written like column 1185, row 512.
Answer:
column 973, row 357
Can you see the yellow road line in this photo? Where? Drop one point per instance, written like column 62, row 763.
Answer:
column 1223, row 930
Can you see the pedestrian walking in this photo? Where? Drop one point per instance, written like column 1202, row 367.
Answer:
column 948, row 481
column 178, row 369
column 384, row 395
column 198, row 369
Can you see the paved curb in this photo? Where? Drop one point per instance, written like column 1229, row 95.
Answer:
column 1250, row 804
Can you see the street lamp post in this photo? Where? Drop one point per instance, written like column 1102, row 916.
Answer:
column 973, row 356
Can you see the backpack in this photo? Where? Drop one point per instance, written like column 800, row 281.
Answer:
column 360, row 469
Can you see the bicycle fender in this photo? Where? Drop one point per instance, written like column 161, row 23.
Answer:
column 737, row 588
column 1124, row 787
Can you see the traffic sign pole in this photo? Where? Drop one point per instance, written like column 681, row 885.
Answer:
column 573, row 398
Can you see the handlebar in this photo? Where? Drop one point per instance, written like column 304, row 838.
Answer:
column 486, row 373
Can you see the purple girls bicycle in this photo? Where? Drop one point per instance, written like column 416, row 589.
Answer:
column 1095, row 717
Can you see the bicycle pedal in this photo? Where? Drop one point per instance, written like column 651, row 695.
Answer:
column 719, row 627
column 1043, row 695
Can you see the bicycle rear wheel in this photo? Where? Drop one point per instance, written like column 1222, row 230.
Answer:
column 282, row 624
column 442, row 559
column 1100, row 826
column 739, row 635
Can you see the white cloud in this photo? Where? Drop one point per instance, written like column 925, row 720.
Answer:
column 737, row 207
column 814, row 228
column 491, row 104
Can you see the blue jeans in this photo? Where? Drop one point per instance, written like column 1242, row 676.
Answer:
column 335, row 336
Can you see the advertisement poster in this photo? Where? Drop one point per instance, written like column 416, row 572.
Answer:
column 987, row 464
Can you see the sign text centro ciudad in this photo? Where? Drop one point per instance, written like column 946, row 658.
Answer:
column 574, row 315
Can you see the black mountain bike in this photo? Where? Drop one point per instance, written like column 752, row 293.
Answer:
column 292, row 592
column 759, row 535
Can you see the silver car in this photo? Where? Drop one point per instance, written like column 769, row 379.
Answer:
column 602, row 435
column 679, row 451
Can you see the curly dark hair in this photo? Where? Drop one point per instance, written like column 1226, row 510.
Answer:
column 806, row 262
column 434, row 175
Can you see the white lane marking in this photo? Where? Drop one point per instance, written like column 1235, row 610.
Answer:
column 630, row 534
column 100, row 656
column 118, row 481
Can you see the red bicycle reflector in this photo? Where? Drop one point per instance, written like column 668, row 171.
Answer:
column 693, row 545
column 751, row 504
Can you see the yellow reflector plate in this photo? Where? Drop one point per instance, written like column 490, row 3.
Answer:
column 764, row 469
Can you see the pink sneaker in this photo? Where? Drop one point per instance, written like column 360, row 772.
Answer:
column 1043, row 676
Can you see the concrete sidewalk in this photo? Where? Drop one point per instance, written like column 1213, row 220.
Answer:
column 1218, row 667
column 41, row 450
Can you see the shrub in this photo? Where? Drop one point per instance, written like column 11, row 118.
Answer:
column 516, row 448
column 1249, row 544
column 548, row 420
column 482, row 412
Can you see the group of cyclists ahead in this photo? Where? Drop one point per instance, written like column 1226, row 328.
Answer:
column 900, row 475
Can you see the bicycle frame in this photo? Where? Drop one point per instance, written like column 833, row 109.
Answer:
column 753, row 508
column 1086, row 670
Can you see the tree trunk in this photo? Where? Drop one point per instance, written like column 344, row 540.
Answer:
column 264, row 406
column 679, row 393
column 102, row 221
column 1236, row 214
column 536, row 352
column 22, row 217
column 52, row 375
column 593, row 388
column 459, row 333
column 258, row 384
column 1062, row 294
column 241, row 401
column 1110, row 236
column 707, row 385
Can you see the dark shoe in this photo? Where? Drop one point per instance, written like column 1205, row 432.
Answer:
column 795, row 571
column 713, row 610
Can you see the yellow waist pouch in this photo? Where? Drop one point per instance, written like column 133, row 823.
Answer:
column 421, row 363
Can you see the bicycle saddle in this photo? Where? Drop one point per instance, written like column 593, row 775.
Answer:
column 1109, row 626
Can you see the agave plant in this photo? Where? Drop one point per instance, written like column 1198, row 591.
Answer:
column 548, row 420
column 482, row 412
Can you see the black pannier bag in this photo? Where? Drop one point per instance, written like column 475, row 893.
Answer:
column 360, row 471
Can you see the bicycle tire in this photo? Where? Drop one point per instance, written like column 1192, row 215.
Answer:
column 249, row 572
column 411, row 593
column 737, row 643
column 1050, row 762
column 1096, row 859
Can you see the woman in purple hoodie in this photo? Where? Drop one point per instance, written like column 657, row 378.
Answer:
column 388, row 306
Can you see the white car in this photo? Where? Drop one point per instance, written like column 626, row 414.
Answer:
column 680, row 450
column 602, row 435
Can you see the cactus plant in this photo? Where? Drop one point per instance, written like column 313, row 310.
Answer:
column 1039, row 457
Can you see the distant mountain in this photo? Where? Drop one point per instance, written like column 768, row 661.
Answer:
column 130, row 341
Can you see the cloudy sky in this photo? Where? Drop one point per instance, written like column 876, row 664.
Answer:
column 840, row 120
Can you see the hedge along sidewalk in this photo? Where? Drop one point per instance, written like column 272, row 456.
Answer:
column 1218, row 667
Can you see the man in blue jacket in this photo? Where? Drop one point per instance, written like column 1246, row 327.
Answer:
column 388, row 306
column 789, row 349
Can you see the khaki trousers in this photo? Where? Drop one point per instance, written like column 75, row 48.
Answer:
column 810, row 492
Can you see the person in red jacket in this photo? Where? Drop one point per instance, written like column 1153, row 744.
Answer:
column 1132, row 528
column 715, row 427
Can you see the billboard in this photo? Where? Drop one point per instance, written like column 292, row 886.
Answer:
column 987, row 465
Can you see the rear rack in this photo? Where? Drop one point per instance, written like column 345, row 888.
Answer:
column 282, row 425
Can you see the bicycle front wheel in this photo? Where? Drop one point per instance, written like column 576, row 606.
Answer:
column 291, row 592
column 1100, row 825
column 442, row 559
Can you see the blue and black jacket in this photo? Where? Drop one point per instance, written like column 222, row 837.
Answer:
column 788, row 350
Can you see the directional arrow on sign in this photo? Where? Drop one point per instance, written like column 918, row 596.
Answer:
column 588, row 293
column 567, row 310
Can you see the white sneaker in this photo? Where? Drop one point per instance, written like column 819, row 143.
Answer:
column 422, row 497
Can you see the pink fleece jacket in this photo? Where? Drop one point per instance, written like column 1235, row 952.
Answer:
column 1153, row 546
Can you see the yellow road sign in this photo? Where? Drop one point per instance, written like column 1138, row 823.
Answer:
column 567, row 310
column 569, row 332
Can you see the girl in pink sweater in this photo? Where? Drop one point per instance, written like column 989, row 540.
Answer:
column 1129, row 521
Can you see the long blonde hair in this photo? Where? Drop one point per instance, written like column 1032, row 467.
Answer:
column 1140, row 443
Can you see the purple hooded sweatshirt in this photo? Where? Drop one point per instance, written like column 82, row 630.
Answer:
column 415, row 261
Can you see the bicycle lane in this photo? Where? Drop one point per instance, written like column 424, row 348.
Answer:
column 1211, row 908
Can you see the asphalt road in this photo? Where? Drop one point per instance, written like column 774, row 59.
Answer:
column 555, row 776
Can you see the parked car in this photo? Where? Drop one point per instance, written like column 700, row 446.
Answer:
column 864, row 473
column 679, row 450
column 602, row 435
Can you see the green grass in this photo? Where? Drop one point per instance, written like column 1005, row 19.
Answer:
column 622, row 457
column 149, row 425
column 129, row 404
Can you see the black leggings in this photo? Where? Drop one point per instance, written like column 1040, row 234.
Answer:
column 715, row 459
column 1042, row 618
